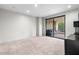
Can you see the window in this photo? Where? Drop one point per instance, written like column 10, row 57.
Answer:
column 55, row 27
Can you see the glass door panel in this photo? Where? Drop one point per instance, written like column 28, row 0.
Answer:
column 59, row 27
column 49, row 27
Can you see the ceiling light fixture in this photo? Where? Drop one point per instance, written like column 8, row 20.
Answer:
column 36, row 5
column 28, row 11
column 69, row 6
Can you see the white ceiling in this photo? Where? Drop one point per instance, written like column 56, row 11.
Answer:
column 41, row 11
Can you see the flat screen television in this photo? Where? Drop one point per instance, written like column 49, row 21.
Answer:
column 76, row 23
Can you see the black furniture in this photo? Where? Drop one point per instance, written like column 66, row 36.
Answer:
column 48, row 32
column 72, row 45
column 72, row 42
column 76, row 23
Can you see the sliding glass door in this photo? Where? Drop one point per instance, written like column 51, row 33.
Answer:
column 59, row 27
column 55, row 27
column 49, row 27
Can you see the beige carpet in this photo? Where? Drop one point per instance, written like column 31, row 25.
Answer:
column 33, row 46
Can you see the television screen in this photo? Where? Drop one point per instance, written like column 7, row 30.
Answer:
column 76, row 23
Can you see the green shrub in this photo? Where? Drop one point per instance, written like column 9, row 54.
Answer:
column 61, row 27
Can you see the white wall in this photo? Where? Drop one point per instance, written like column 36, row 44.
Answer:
column 40, row 26
column 70, row 17
column 14, row 26
column 43, row 27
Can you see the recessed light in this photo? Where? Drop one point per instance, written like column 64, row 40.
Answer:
column 28, row 11
column 36, row 5
column 69, row 6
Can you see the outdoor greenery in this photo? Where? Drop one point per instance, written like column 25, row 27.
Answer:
column 61, row 27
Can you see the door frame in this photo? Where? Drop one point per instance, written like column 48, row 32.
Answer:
column 53, row 26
